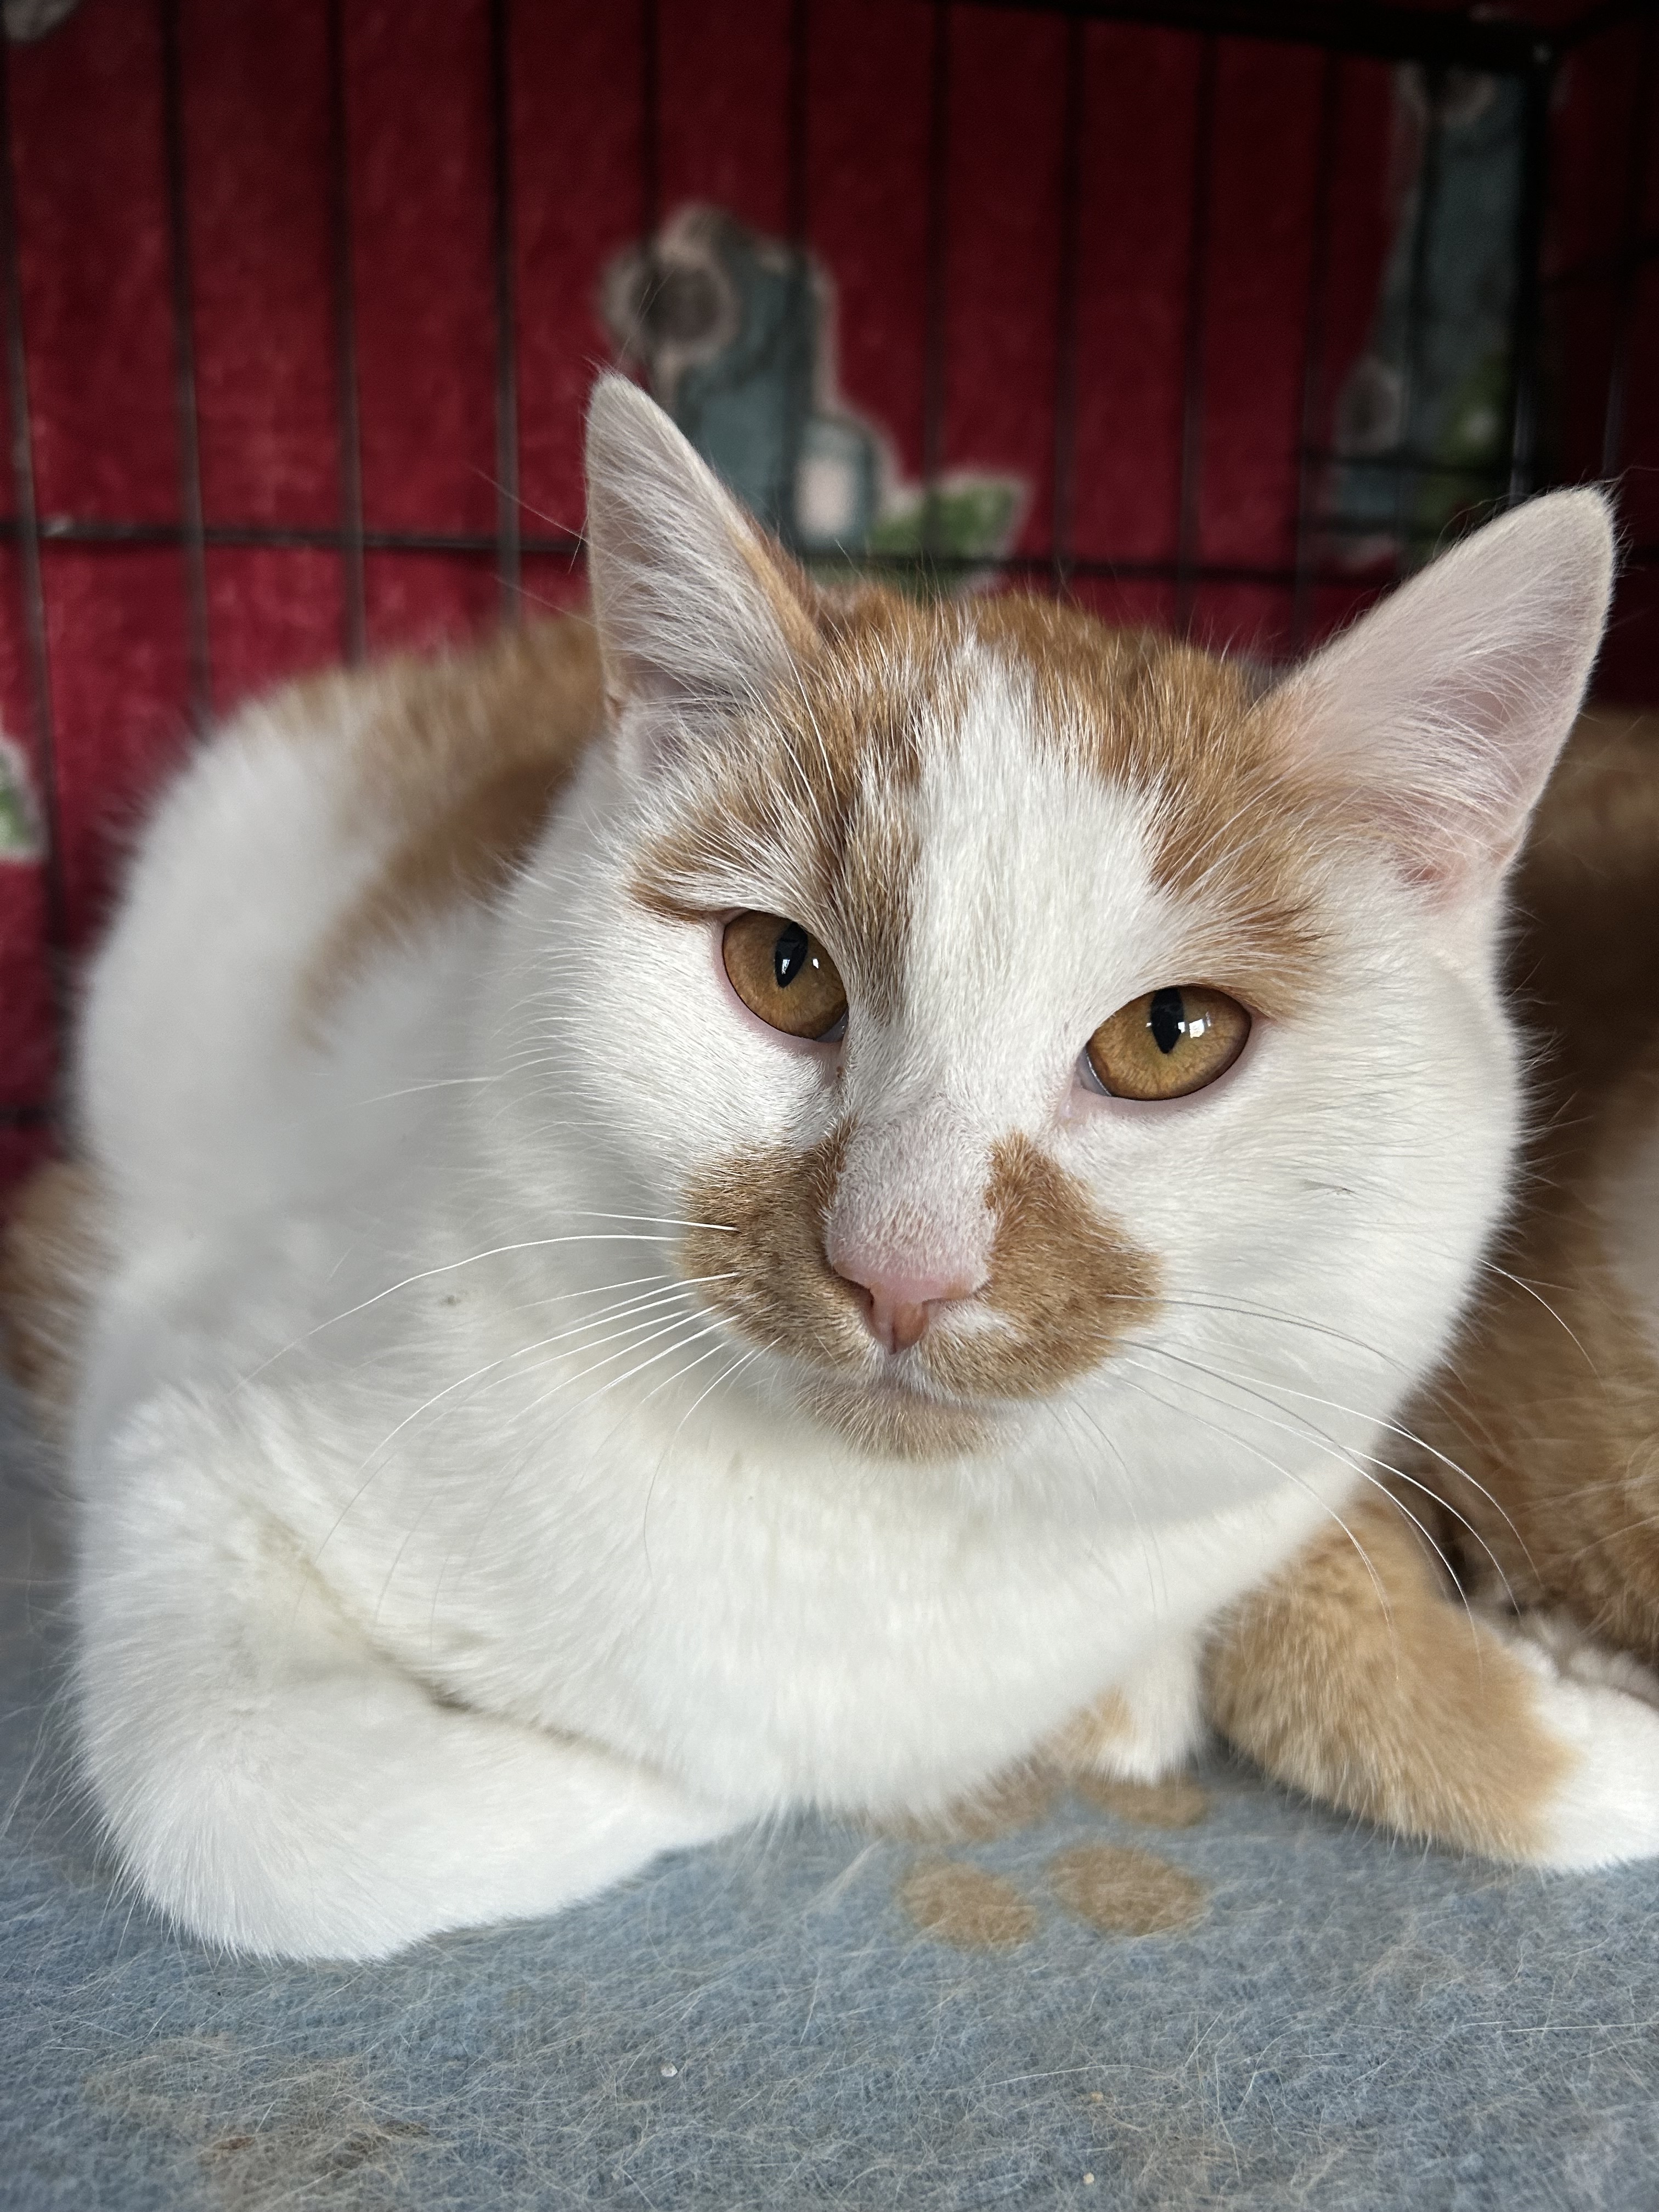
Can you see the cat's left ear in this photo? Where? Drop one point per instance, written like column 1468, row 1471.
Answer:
column 698, row 611
column 1434, row 721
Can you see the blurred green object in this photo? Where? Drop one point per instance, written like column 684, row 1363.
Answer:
column 20, row 818
column 965, row 518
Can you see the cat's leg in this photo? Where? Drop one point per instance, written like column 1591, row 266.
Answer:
column 1147, row 1726
column 275, row 1784
column 1365, row 1682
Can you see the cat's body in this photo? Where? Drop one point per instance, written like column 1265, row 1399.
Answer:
column 754, row 1605
column 1529, row 1455
column 1549, row 1408
column 535, row 1412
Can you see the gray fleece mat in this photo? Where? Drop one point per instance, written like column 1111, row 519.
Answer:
column 1262, row 2007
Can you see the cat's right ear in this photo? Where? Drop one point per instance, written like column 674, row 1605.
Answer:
column 697, row 611
column 1435, row 719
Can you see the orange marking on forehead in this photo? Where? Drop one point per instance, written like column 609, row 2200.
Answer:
column 821, row 781
column 1234, row 824
column 816, row 786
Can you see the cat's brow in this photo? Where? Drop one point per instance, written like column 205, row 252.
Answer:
column 808, row 805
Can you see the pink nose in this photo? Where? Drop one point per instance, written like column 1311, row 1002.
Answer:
column 898, row 1307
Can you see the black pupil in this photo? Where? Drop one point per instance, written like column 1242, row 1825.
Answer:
column 789, row 954
column 1166, row 1019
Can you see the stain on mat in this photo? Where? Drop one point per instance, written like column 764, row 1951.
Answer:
column 1117, row 1889
column 1126, row 1892
column 955, row 1903
column 307, row 2136
column 1175, row 1802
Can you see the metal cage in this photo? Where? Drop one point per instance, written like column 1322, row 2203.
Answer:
column 1548, row 310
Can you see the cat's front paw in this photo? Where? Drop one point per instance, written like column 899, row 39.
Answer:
column 1602, row 1706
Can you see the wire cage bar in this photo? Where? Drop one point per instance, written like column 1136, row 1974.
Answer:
column 350, row 542
column 1440, row 42
column 508, row 550
column 183, row 353
column 25, row 531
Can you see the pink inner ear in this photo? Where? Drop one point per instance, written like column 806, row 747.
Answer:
column 1436, row 719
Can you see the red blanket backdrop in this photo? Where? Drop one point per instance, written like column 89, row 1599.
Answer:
column 99, row 267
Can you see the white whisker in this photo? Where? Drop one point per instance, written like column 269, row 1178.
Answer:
column 1396, row 1429
column 1181, row 1413
column 450, row 1268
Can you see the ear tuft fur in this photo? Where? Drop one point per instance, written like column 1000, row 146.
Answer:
column 695, row 608
column 1437, row 718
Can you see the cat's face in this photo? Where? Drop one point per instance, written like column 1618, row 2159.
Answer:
column 1038, row 1031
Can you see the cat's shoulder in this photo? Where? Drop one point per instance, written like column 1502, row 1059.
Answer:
column 417, row 727
column 1595, row 838
column 1586, row 965
column 51, row 1255
column 450, row 767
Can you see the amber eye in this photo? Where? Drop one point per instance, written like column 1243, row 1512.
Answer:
column 783, row 973
column 1170, row 1043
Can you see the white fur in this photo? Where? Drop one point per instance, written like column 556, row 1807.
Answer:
column 410, row 1594
column 1603, row 1707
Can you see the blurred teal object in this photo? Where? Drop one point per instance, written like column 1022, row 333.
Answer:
column 733, row 330
column 729, row 328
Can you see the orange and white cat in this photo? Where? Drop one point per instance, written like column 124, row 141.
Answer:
column 786, row 1199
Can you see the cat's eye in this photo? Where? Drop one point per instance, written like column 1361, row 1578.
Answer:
column 782, row 973
column 1168, row 1044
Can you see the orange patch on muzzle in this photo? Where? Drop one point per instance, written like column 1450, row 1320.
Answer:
column 1064, row 1282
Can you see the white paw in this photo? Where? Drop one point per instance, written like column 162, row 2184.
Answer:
column 1156, row 1719
column 1603, row 1705
column 1577, row 1655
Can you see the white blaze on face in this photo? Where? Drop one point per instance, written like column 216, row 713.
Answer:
column 1033, row 916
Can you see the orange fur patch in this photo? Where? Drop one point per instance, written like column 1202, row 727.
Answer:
column 1358, row 1679
column 52, row 1253
column 1086, row 1743
column 1233, row 821
column 1066, row 1283
column 466, row 756
column 1549, row 1404
column 817, row 784
column 780, row 1289
column 819, row 780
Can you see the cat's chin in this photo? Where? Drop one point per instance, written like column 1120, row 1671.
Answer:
column 891, row 1420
